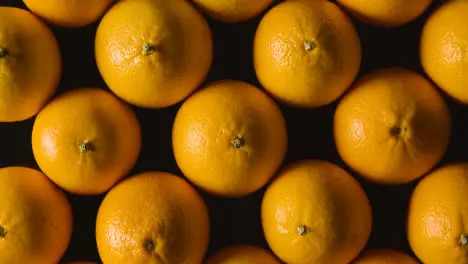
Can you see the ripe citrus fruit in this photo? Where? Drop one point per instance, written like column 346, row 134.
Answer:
column 69, row 13
column 386, row 13
column 243, row 254
column 153, row 53
column 306, row 52
column 393, row 127
column 30, row 64
column 154, row 217
column 35, row 218
column 444, row 48
column 229, row 138
column 86, row 140
column 437, row 217
column 384, row 256
column 315, row 212
column 233, row 10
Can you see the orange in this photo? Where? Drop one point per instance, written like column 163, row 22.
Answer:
column 69, row 13
column 233, row 10
column 229, row 138
column 30, row 64
column 86, row 140
column 393, row 127
column 444, row 48
column 386, row 13
column 306, row 52
column 152, row 218
column 384, row 256
column 437, row 216
column 243, row 254
column 35, row 218
column 315, row 212
column 153, row 53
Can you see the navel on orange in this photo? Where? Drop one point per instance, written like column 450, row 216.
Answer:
column 30, row 64
column 306, row 52
column 386, row 13
column 153, row 217
column 243, row 254
column 444, row 48
column 384, row 256
column 437, row 216
column 69, row 13
column 393, row 127
column 35, row 218
column 86, row 140
column 153, row 53
column 233, row 10
column 315, row 212
column 229, row 138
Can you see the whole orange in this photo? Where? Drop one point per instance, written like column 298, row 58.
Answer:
column 384, row 256
column 154, row 217
column 229, row 138
column 86, row 140
column 386, row 13
column 243, row 254
column 315, row 212
column 306, row 52
column 69, row 13
column 444, row 48
column 35, row 218
column 153, row 53
column 393, row 127
column 30, row 64
column 233, row 10
column 437, row 216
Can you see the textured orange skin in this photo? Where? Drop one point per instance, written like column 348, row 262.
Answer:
column 366, row 119
column 329, row 202
column 36, row 216
column 438, row 216
column 299, row 77
column 157, row 206
column 86, row 114
column 384, row 256
column 30, row 73
column 205, row 127
column 233, row 10
column 243, row 254
column 69, row 13
column 182, row 55
column 386, row 13
column 444, row 48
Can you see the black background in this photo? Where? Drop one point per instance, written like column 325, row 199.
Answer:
column 235, row 221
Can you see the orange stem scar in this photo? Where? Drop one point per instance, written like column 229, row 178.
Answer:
column 310, row 45
column 148, row 49
column 463, row 240
column 150, row 244
column 3, row 232
column 86, row 146
column 3, row 52
column 237, row 142
column 302, row 230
